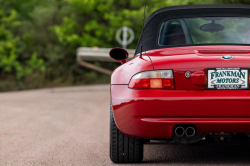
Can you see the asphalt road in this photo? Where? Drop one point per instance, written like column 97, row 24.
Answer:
column 70, row 126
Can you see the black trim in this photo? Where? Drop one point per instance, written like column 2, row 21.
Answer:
column 153, row 22
column 184, row 7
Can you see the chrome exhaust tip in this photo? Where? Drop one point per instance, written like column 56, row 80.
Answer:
column 179, row 132
column 190, row 132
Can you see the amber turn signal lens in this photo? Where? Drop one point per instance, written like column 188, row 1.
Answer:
column 155, row 83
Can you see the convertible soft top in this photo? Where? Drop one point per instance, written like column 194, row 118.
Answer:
column 154, row 21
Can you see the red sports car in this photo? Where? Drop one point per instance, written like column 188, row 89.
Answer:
column 188, row 81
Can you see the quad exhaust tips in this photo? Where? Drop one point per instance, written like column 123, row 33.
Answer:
column 180, row 132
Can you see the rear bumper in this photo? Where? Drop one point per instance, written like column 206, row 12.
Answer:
column 154, row 113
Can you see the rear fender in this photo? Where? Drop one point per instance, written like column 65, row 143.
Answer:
column 124, row 73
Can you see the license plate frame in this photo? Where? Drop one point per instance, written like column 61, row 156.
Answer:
column 213, row 84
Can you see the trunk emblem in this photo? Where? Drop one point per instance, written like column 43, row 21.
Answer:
column 227, row 57
column 188, row 74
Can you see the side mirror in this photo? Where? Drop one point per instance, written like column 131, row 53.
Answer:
column 119, row 54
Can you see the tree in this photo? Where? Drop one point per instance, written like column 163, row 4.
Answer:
column 38, row 39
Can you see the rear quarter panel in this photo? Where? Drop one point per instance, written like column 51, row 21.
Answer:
column 124, row 73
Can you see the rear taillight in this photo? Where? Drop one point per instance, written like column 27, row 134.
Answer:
column 158, row 79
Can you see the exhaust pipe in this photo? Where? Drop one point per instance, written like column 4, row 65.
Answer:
column 179, row 132
column 190, row 132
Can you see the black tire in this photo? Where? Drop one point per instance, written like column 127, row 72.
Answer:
column 124, row 149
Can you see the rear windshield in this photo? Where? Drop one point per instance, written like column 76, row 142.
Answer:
column 205, row 30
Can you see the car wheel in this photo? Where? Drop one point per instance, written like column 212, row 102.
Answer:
column 124, row 149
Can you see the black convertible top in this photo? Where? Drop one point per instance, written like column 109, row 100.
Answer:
column 154, row 21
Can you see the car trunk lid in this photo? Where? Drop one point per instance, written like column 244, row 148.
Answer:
column 190, row 64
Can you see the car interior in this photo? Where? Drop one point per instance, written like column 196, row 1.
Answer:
column 175, row 32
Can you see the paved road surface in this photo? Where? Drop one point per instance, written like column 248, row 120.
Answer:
column 70, row 126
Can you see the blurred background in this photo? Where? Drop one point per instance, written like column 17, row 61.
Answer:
column 39, row 38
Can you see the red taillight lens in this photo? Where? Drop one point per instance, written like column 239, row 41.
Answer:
column 152, row 83
column 153, row 80
column 168, row 83
column 139, row 83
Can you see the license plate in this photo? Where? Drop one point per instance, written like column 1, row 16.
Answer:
column 227, row 78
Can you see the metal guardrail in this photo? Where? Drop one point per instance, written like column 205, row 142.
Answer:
column 97, row 54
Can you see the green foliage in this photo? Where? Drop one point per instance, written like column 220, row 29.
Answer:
column 39, row 38
column 94, row 23
column 11, row 62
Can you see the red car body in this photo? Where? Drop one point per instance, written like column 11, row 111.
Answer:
column 188, row 81
column 153, row 113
